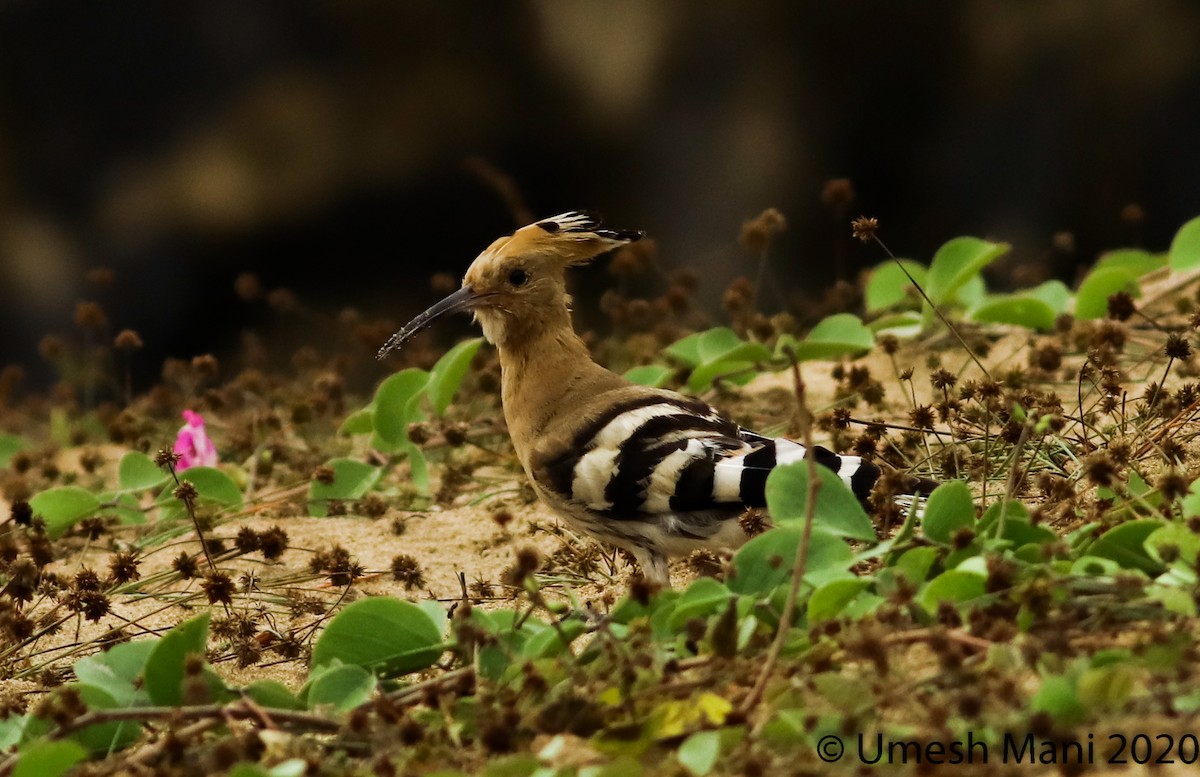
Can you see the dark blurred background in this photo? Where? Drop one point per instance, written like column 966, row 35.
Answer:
column 348, row 150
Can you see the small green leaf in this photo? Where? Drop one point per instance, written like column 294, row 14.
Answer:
column 736, row 372
column 888, row 286
column 447, row 375
column 831, row 599
column 351, row 480
column 1106, row 687
column 273, row 695
column 63, row 507
column 842, row 334
column 213, row 486
column 361, row 421
column 956, row 263
column 1133, row 260
column 1185, row 248
column 954, row 585
column 165, row 663
column 950, row 508
column 1016, row 309
column 1053, row 293
column 653, row 375
column 118, row 670
column 10, row 445
column 397, row 404
column 48, row 759
column 686, row 350
column 1059, row 698
column 1091, row 301
column 698, row 753
column 342, row 687
column 905, row 324
column 915, row 564
column 837, row 510
column 104, row 738
column 1126, row 545
column 386, row 636
column 137, row 472
column 1183, row 542
column 765, row 562
column 702, row 598
column 723, row 343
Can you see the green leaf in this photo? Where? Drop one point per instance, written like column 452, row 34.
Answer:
column 213, row 486
column 915, row 564
column 351, row 480
column 397, row 404
column 273, row 694
column 1184, row 544
column 137, row 472
column 954, row 585
column 10, row 444
column 653, row 375
column 837, row 510
column 1133, row 260
column 1126, row 545
column 698, row 753
column 419, row 468
column 164, row 666
column 686, row 350
column 48, row 759
column 950, row 508
column 118, row 671
column 1059, row 698
column 1053, row 293
column 447, row 375
column 1106, row 687
column 1016, row 309
column 1091, row 301
column 842, row 334
column 127, row 509
column 765, row 562
column 386, row 636
column 888, row 286
column 723, row 343
column 737, row 372
column 831, row 599
column 361, row 421
column 957, row 262
column 62, row 507
column 906, row 323
column 1185, row 248
column 702, row 598
column 342, row 687
column 104, row 738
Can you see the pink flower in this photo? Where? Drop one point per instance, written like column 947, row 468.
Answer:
column 192, row 443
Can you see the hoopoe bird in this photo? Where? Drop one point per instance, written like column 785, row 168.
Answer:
column 647, row 470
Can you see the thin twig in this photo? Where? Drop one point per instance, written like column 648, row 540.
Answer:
column 800, row 563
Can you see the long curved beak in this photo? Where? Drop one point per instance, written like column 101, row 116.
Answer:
column 463, row 299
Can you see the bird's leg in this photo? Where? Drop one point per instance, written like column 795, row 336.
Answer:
column 654, row 566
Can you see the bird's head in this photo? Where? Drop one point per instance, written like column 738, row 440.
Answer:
column 516, row 285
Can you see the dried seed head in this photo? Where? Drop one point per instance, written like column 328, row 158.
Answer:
column 1100, row 469
column 1121, row 306
column 128, row 340
column 123, row 567
column 218, row 587
column 838, row 193
column 864, row 228
column 166, row 459
column 324, row 475
column 272, row 542
column 1177, row 347
column 247, row 287
column 89, row 315
column 407, row 571
column 758, row 232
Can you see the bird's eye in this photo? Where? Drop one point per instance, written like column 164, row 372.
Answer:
column 517, row 277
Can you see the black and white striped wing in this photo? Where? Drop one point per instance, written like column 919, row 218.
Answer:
column 661, row 454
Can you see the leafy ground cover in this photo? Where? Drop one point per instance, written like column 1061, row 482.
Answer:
column 363, row 583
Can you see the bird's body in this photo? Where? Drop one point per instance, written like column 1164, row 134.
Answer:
column 648, row 470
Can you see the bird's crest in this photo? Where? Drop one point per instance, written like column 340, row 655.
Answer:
column 574, row 237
